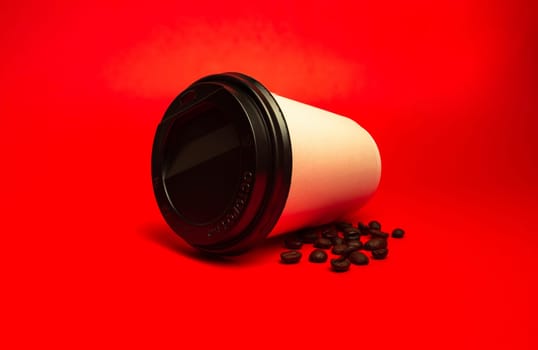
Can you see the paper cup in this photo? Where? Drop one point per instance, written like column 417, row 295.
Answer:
column 233, row 163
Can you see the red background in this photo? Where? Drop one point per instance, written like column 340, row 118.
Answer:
column 447, row 88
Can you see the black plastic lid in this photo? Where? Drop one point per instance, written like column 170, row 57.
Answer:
column 221, row 163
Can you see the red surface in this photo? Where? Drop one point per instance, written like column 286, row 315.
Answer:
column 448, row 89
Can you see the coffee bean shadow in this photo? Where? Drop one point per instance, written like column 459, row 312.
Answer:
column 161, row 234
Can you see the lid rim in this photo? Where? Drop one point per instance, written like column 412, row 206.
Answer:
column 277, row 172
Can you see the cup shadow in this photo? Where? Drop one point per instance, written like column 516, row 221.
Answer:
column 166, row 238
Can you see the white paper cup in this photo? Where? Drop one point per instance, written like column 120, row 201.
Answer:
column 233, row 163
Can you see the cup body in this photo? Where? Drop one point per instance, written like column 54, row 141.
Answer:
column 336, row 166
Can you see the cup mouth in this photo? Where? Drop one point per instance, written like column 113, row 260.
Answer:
column 222, row 162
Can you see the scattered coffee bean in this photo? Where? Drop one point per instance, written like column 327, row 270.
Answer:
column 362, row 227
column 375, row 243
column 329, row 233
column 339, row 249
column 380, row 253
column 293, row 243
column 324, row 243
column 290, row 257
column 351, row 230
column 345, row 242
column 337, row 241
column 398, row 233
column 351, row 237
column 340, row 264
column 308, row 235
column 358, row 258
column 357, row 244
column 374, row 225
column 379, row 234
column 318, row 256
column 364, row 231
column 342, row 225
column 350, row 249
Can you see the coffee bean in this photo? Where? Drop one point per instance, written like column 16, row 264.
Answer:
column 398, row 233
column 362, row 227
column 379, row 234
column 329, row 233
column 308, row 235
column 364, row 231
column 357, row 244
column 350, row 249
column 351, row 237
column 290, row 257
column 350, row 230
column 293, row 243
column 337, row 241
column 339, row 249
column 375, row 243
column 380, row 253
column 317, row 256
column 340, row 264
column 341, row 225
column 358, row 258
column 324, row 243
column 374, row 225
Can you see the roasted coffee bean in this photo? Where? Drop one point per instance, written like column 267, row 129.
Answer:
column 362, row 227
column 337, row 241
column 350, row 249
column 341, row 225
column 351, row 237
column 290, row 257
column 364, row 231
column 375, row 243
column 308, row 235
column 293, row 243
column 329, row 233
column 374, row 225
column 351, row 230
column 318, row 256
column 339, row 249
column 357, row 244
column 352, row 234
column 324, row 243
column 340, row 264
column 380, row 253
column 379, row 234
column 398, row 233
column 358, row 258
